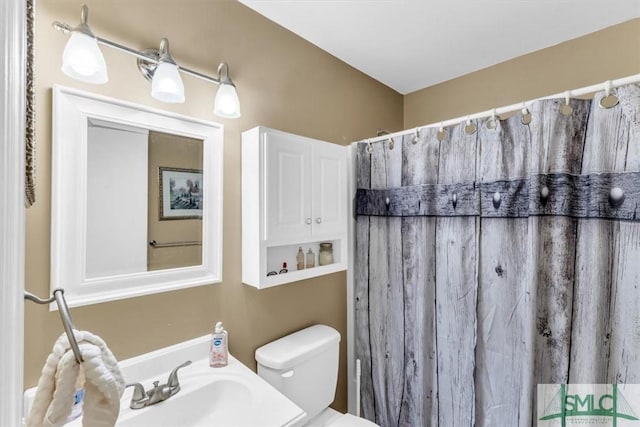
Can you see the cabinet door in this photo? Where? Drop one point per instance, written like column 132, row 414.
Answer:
column 329, row 189
column 288, row 187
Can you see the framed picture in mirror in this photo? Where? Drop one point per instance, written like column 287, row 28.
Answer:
column 180, row 193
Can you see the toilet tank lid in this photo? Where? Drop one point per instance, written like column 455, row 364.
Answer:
column 291, row 350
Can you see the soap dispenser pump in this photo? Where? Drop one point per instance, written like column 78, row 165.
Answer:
column 219, row 353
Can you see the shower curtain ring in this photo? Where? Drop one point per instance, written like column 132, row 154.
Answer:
column 442, row 133
column 491, row 123
column 416, row 136
column 369, row 147
column 470, row 128
column 609, row 100
column 566, row 108
column 526, row 115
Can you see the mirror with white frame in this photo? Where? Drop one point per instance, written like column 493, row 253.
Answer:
column 136, row 199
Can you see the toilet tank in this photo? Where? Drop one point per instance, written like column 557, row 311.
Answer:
column 303, row 366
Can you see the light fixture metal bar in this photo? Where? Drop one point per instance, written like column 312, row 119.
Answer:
column 126, row 49
column 63, row 28
column 199, row 75
column 66, row 28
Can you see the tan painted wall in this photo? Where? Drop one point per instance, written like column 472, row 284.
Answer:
column 284, row 83
column 608, row 54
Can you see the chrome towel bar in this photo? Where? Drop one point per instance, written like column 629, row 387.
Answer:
column 155, row 244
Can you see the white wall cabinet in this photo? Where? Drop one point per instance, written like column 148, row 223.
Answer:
column 287, row 204
column 294, row 195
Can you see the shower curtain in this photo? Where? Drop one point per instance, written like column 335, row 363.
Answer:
column 490, row 262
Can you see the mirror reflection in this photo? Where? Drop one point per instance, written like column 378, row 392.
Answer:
column 144, row 200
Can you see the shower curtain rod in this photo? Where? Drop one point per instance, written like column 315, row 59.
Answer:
column 606, row 86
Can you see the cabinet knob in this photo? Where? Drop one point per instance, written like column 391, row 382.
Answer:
column 308, row 221
column 318, row 220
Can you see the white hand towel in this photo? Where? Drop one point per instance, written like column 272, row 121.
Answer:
column 103, row 384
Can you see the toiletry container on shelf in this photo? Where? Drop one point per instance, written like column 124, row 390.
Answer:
column 294, row 195
column 304, row 367
column 325, row 256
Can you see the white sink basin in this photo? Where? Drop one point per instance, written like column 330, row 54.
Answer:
column 233, row 396
column 207, row 397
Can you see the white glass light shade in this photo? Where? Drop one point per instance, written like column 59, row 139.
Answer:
column 226, row 103
column 83, row 60
column 167, row 85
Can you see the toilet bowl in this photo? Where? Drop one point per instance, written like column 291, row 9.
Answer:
column 304, row 367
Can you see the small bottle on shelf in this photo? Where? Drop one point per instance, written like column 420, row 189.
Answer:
column 300, row 259
column 284, row 268
column 325, row 256
column 311, row 259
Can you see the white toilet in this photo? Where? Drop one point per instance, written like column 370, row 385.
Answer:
column 304, row 367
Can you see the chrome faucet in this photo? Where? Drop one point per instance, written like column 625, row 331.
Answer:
column 158, row 393
column 139, row 398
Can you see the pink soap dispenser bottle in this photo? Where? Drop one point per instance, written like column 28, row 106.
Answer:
column 219, row 352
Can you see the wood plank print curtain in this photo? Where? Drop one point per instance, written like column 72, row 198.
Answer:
column 489, row 263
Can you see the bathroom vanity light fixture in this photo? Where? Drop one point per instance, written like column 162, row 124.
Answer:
column 166, row 84
column 226, row 103
column 83, row 60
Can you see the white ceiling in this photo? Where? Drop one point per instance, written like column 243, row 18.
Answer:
column 412, row 44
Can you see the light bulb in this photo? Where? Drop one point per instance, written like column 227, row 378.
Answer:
column 226, row 103
column 83, row 60
column 167, row 85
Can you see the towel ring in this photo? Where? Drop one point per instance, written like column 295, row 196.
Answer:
column 65, row 316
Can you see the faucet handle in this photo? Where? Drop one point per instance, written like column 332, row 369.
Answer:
column 159, row 392
column 172, row 382
column 139, row 398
